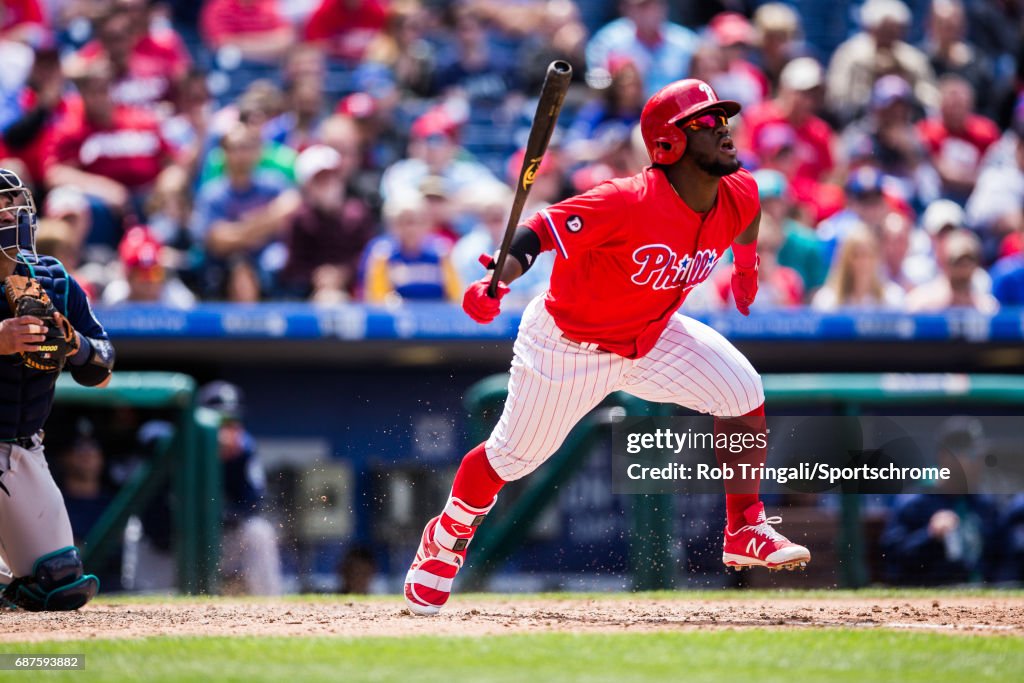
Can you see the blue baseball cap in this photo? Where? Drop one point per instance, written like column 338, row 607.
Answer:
column 864, row 181
column 890, row 89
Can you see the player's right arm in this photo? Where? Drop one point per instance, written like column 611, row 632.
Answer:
column 569, row 227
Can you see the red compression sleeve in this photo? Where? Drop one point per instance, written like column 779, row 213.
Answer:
column 741, row 493
column 744, row 255
column 476, row 483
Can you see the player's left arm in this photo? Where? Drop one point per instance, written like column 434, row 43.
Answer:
column 744, row 271
column 93, row 363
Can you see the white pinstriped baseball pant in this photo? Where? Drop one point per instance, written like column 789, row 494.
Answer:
column 555, row 382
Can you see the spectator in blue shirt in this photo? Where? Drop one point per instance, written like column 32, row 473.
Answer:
column 490, row 207
column 434, row 149
column 660, row 49
column 475, row 68
column 1008, row 280
column 239, row 218
column 408, row 262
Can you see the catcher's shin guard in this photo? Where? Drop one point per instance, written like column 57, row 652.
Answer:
column 441, row 554
column 58, row 583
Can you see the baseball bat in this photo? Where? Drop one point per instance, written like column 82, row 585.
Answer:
column 552, row 95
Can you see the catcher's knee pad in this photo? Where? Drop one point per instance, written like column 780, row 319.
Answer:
column 57, row 584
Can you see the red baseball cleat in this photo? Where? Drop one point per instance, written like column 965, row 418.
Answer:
column 759, row 545
column 442, row 552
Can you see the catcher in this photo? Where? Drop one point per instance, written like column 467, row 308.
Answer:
column 45, row 322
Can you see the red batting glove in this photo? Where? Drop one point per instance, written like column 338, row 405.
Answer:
column 479, row 305
column 744, row 287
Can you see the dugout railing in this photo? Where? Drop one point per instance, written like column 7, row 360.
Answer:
column 650, row 545
column 185, row 459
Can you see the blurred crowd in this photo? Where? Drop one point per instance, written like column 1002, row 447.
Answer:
column 364, row 150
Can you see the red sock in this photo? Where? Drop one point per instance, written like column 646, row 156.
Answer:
column 476, row 483
column 741, row 493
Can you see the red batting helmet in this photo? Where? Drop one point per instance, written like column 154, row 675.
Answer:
column 676, row 102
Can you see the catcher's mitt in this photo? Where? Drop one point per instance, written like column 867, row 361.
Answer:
column 27, row 297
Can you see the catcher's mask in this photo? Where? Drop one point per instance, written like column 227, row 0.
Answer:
column 17, row 217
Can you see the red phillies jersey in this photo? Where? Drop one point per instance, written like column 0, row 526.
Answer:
column 222, row 20
column 964, row 148
column 629, row 251
column 347, row 27
column 131, row 151
column 766, row 127
column 33, row 154
column 156, row 62
column 17, row 12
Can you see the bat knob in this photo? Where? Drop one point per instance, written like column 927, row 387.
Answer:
column 560, row 66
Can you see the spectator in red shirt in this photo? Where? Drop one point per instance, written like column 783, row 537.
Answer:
column 23, row 21
column 256, row 28
column 347, row 27
column 111, row 151
column 146, row 63
column 42, row 105
column 794, row 109
column 742, row 81
column 957, row 138
column 146, row 278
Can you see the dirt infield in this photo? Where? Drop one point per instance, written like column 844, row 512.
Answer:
column 474, row 615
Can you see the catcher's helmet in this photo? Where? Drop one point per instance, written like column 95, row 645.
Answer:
column 17, row 216
column 677, row 102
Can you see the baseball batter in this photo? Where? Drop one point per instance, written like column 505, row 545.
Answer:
column 627, row 253
column 45, row 321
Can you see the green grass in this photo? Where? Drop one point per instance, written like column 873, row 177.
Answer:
column 764, row 656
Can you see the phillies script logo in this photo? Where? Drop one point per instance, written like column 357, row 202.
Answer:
column 530, row 174
column 662, row 269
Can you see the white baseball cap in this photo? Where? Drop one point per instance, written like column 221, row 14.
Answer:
column 315, row 159
column 874, row 13
column 803, row 73
column 65, row 199
column 942, row 213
